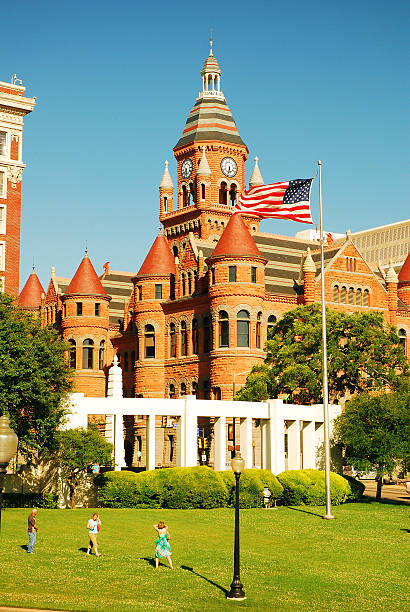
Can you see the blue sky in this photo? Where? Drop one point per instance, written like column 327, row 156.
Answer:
column 115, row 81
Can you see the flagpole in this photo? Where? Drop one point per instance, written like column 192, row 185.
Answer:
column 328, row 514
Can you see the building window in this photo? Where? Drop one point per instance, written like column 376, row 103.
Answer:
column 242, row 328
column 2, row 184
column 203, row 191
column 207, row 335
column 217, row 393
column 101, row 355
column 149, row 342
column 158, row 292
column 366, row 301
column 207, row 390
column 232, row 274
column 172, row 341
column 192, row 193
column 271, row 324
column 171, row 391
column 165, row 203
column 97, row 307
column 223, row 193
column 125, row 362
column 258, row 330
column 212, row 276
column 359, row 297
column 223, row 329
column 232, row 194
column 183, row 389
column 73, row 354
column 351, row 296
column 184, row 339
column 88, row 350
column 79, row 309
column 343, row 295
column 253, row 274
column 402, row 337
column 132, row 361
column 195, row 337
column 64, row 310
column 194, row 388
column 139, row 292
column 185, row 196
column 2, row 256
column 183, row 282
column 335, row 293
column 3, row 144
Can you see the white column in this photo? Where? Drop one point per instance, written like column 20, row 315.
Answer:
column 294, row 445
column 150, row 436
column 119, row 456
column 245, row 433
column 309, row 447
column 181, row 441
column 191, row 427
column 276, row 437
column 220, row 443
column 319, row 446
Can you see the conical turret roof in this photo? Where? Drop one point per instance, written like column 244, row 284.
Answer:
column 166, row 180
column 159, row 261
column 85, row 281
column 30, row 296
column 256, row 178
column 404, row 274
column 236, row 240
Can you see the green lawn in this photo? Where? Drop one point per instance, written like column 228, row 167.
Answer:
column 291, row 559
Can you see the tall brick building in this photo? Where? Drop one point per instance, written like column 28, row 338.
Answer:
column 194, row 318
column 13, row 108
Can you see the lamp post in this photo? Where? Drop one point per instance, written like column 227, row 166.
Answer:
column 8, row 448
column 237, row 593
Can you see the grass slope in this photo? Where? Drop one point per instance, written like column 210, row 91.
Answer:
column 291, row 559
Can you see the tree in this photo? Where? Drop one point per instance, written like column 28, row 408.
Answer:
column 34, row 378
column 79, row 448
column 376, row 432
column 363, row 353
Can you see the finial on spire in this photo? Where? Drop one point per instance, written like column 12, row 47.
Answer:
column 256, row 178
column 86, row 248
column 166, row 180
column 210, row 44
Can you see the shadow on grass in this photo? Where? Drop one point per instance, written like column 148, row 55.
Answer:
column 404, row 529
column 400, row 501
column 218, row 586
column 149, row 560
column 83, row 549
column 318, row 514
column 24, row 547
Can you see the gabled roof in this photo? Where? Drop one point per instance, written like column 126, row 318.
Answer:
column 159, row 261
column 236, row 240
column 404, row 274
column 30, row 296
column 85, row 281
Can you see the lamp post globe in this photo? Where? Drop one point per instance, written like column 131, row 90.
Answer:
column 237, row 593
column 8, row 448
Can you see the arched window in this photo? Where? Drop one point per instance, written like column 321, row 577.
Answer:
column 402, row 337
column 223, row 193
column 183, row 284
column 184, row 339
column 242, row 328
column 73, row 354
column 172, row 341
column 171, row 391
column 189, row 283
column 207, row 335
column 351, row 296
column 88, row 349
column 223, row 328
column 359, row 297
column 366, row 301
column 232, row 194
column 185, row 196
column 195, row 337
column 149, row 342
column 101, row 355
column 343, row 295
column 203, row 191
column 192, row 192
column 271, row 324
column 175, row 250
column 258, row 330
column 217, row 393
column 165, row 203
column 194, row 388
column 336, row 293
column 183, row 389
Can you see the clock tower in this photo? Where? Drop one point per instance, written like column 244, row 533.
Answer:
column 210, row 159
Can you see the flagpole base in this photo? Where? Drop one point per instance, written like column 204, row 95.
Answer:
column 328, row 517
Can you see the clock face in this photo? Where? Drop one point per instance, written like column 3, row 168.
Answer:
column 186, row 168
column 229, row 167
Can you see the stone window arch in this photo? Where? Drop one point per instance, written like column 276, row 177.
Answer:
column 172, row 340
column 366, row 297
column 184, row 339
column 72, row 353
column 182, row 391
column 233, row 193
column 223, row 193
column 88, row 354
column 350, row 296
column 402, row 337
column 185, row 195
column 359, row 297
column 242, row 328
column 207, row 327
column 183, row 284
column 149, row 344
column 271, row 323
column 258, row 330
column 223, row 328
column 336, row 293
column 195, row 336
column 101, row 355
column 343, row 295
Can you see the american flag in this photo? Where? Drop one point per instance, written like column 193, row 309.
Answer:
column 285, row 200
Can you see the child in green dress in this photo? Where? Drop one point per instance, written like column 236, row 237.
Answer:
column 162, row 546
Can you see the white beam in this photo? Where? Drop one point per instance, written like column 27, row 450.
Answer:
column 245, row 433
column 220, row 443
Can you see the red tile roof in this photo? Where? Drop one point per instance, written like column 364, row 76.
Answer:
column 236, row 240
column 85, row 281
column 30, row 296
column 159, row 261
column 405, row 271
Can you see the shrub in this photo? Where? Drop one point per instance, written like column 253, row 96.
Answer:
column 251, row 485
column 307, row 487
column 192, row 487
column 356, row 489
column 120, row 490
column 30, row 500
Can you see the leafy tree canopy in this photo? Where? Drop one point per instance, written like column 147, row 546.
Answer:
column 34, row 378
column 376, row 432
column 363, row 353
column 79, row 448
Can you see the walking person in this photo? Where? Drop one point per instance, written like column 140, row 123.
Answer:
column 32, row 530
column 93, row 526
column 162, row 548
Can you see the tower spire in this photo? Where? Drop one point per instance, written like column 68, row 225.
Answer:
column 210, row 44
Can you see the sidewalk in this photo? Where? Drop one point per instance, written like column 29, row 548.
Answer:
column 393, row 493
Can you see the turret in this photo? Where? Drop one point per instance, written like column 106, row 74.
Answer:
column 391, row 285
column 309, row 278
column 30, row 296
column 403, row 287
column 166, row 192
column 256, row 178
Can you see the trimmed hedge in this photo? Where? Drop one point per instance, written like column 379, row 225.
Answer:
column 30, row 500
column 129, row 489
column 307, row 487
column 251, row 485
